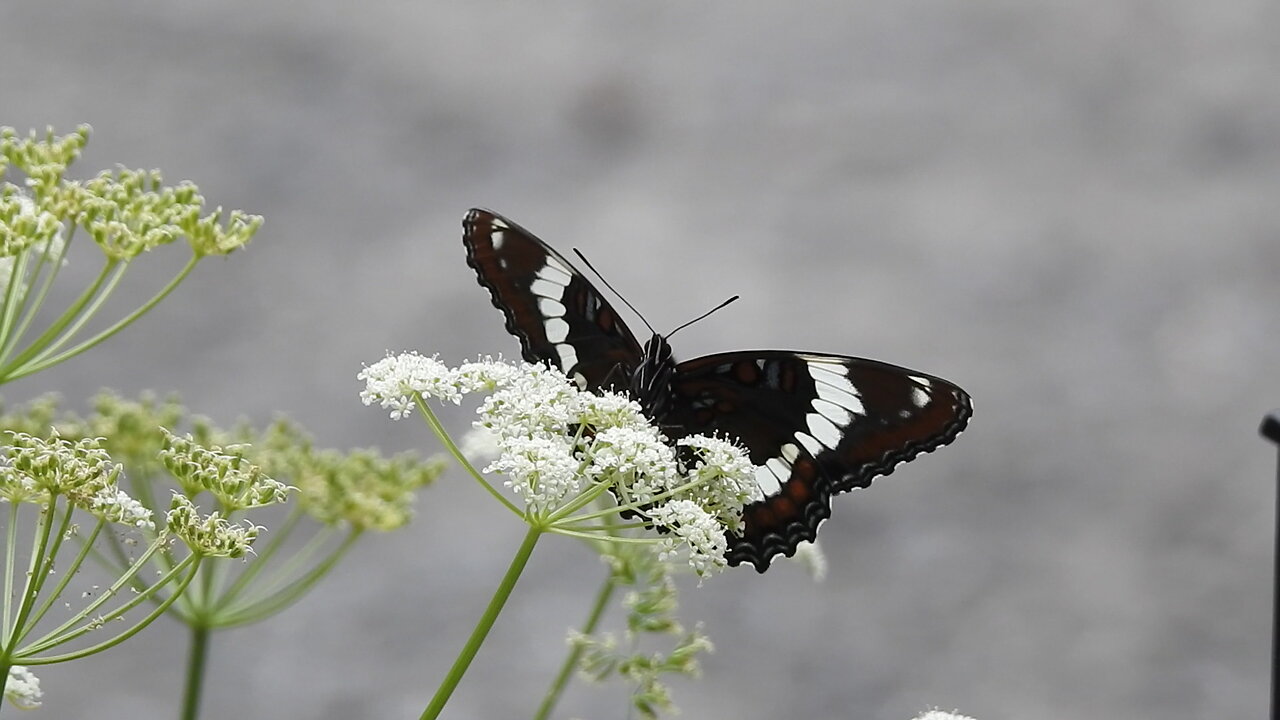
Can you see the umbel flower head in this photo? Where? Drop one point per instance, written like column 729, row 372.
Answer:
column 35, row 469
column 225, row 472
column 562, row 449
column 46, row 218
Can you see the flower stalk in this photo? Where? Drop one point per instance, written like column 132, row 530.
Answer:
column 481, row 631
column 571, row 661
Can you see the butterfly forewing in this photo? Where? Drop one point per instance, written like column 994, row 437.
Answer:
column 815, row 425
column 556, row 313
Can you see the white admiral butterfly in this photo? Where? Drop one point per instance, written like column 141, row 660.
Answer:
column 815, row 425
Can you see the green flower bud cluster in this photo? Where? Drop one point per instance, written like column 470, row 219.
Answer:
column 237, row 483
column 36, row 469
column 126, row 212
column 210, row 535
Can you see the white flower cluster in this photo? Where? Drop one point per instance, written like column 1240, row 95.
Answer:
column 557, row 445
column 34, row 469
column 943, row 715
column 22, row 688
column 393, row 380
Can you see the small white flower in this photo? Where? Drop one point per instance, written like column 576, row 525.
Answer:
column 810, row 555
column 22, row 688
column 636, row 461
column 480, row 444
column 542, row 470
column 393, row 380
column 485, row 374
column 725, row 478
column 700, row 531
column 114, row 505
column 610, row 409
column 533, row 401
column 937, row 714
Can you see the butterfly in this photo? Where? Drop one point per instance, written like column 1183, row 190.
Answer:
column 814, row 424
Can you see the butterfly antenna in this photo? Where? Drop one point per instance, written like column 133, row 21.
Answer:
column 592, row 268
column 703, row 315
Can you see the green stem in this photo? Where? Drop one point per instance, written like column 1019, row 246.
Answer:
column 482, row 628
column 5, row 665
column 587, row 497
column 264, row 607
column 434, row 423
column 595, row 536
column 14, row 299
column 32, row 307
column 68, row 572
column 571, row 662
column 63, row 632
column 10, row 563
column 195, row 672
column 55, row 329
column 193, row 561
column 34, row 581
column 45, row 361
column 256, row 565
column 628, row 506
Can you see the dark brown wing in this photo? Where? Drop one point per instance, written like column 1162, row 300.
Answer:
column 554, row 311
column 815, row 425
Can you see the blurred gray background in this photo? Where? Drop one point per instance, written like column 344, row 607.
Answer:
column 1070, row 210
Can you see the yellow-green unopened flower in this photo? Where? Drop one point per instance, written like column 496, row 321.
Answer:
column 237, row 483
column 361, row 489
column 210, row 535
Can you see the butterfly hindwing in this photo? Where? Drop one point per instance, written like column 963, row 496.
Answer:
column 556, row 313
column 815, row 425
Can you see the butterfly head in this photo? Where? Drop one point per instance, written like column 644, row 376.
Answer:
column 651, row 380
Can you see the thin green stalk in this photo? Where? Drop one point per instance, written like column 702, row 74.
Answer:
column 58, row 325
column 10, row 560
column 258, row 563
column 55, row 636
column 478, row 635
column 159, row 610
column 623, row 507
column 69, row 571
column 26, row 306
column 291, row 570
column 85, row 315
column 5, row 665
column 195, row 672
column 603, row 596
column 27, row 603
column 33, row 307
column 14, row 298
column 44, row 361
column 453, row 449
column 595, row 536
column 587, row 497
column 604, row 527
column 265, row 607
